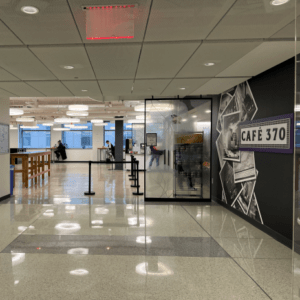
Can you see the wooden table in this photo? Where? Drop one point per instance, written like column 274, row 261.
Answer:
column 33, row 165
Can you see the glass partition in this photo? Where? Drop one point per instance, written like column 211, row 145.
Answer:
column 178, row 149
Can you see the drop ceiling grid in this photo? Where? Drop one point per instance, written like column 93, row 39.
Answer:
column 77, row 86
column 21, row 89
column 51, row 88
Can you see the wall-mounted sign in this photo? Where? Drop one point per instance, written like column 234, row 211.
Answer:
column 151, row 139
column 268, row 135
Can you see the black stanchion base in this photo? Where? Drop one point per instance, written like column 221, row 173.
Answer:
column 137, row 194
column 130, row 175
column 90, row 193
column 131, row 179
column 135, row 186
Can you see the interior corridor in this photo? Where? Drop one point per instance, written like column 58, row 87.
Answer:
column 58, row 244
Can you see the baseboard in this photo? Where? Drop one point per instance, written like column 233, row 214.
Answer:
column 5, row 197
column 275, row 235
column 176, row 200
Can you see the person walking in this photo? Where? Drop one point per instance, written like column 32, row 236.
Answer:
column 155, row 154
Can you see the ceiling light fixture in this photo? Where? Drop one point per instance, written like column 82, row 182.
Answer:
column 279, row 2
column 155, row 107
column 96, row 121
column 66, row 120
column 68, row 67
column 79, row 127
column 30, row 10
column 78, row 107
column 84, row 90
column 183, row 88
column 16, row 112
column 208, row 111
column 61, row 129
column 47, row 124
column 100, row 124
column 194, row 116
column 77, row 113
column 209, row 64
column 25, row 120
column 29, row 127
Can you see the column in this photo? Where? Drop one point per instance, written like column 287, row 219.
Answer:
column 119, row 144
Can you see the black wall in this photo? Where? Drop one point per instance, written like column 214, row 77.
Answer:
column 273, row 92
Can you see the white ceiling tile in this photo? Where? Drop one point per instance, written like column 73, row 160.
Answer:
column 55, row 58
column 189, row 85
column 6, row 94
column 114, row 61
column 150, row 87
column 222, row 54
column 20, row 89
column 23, row 64
column 53, row 24
column 116, row 87
column 184, row 20
column 253, row 19
column 216, row 86
column 7, row 37
column 92, row 88
column 262, row 58
column 139, row 16
column 164, row 60
column 50, row 88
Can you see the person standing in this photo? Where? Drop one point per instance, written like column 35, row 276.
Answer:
column 60, row 151
column 155, row 154
column 111, row 148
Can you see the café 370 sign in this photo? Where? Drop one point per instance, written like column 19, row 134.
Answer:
column 274, row 134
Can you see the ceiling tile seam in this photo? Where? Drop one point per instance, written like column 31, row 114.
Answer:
column 9, row 92
column 41, row 62
column 71, row 12
column 182, row 67
column 12, row 32
column 87, row 54
column 67, row 88
column 11, row 74
column 141, row 50
column 35, row 88
column 221, row 19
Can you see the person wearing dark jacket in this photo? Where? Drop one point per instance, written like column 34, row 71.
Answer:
column 155, row 154
column 60, row 151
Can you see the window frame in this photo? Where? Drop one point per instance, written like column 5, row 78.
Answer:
column 80, row 130
column 104, row 138
column 21, row 141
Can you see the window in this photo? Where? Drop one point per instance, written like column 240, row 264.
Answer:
column 110, row 133
column 78, row 138
column 35, row 138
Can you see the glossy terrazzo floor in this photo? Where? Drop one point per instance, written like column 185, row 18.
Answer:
column 58, row 244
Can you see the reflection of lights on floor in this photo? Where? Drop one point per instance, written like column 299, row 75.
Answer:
column 68, row 227
column 198, row 215
column 70, row 207
column 107, row 248
column 31, row 227
column 48, row 214
column 79, row 272
column 163, row 270
column 17, row 258
column 79, row 251
column 21, row 229
column 97, row 222
column 16, row 282
column 101, row 211
column 129, row 206
column 143, row 240
column 59, row 199
column 133, row 221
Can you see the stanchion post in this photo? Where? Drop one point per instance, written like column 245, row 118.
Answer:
column 132, row 170
column 138, row 183
column 134, row 174
column 90, row 193
column 131, row 174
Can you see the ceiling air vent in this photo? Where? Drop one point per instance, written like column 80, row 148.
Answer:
column 109, row 21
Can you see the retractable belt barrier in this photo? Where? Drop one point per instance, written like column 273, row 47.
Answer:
column 134, row 174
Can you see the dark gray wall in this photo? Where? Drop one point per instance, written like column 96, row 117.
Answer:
column 273, row 92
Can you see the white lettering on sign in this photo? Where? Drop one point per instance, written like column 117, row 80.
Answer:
column 276, row 134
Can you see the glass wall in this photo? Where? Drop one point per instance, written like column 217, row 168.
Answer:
column 178, row 152
column 78, row 138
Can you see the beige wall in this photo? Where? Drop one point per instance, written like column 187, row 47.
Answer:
column 4, row 158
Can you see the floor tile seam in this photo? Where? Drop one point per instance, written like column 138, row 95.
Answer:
column 252, row 279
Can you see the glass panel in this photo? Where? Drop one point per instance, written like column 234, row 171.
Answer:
column 36, row 139
column 178, row 151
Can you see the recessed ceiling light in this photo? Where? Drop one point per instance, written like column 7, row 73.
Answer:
column 67, row 120
column 208, row 111
column 79, row 107
column 16, row 112
column 279, row 2
column 209, row 64
column 194, row 116
column 84, row 90
column 183, row 120
column 68, row 67
column 30, row 10
column 183, row 88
